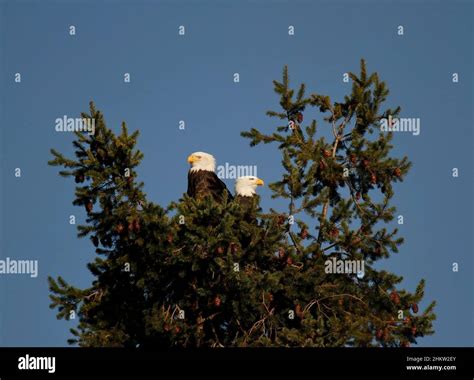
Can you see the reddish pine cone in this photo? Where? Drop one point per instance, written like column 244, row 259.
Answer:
column 397, row 172
column 298, row 311
column 414, row 307
column 119, row 228
column 357, row 196
column 169, row 238
column 353, row 158
column 217, row 301
column 220, row 250
column 334, row 233
column 89, row 206
column 373, row 179
column 136, row 225
column 379, row 334
column 327, row 153
column 395, row 297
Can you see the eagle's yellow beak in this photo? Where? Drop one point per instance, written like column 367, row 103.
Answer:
column 192, row 159
column 260, row 182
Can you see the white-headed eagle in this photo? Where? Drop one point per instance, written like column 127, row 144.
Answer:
column 246, row 193
column 202, row 179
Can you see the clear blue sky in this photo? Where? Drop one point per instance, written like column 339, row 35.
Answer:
column 191, row 78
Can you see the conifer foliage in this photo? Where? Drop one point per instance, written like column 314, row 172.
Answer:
column 204, row 274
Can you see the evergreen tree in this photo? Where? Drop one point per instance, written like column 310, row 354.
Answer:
column 202, row 273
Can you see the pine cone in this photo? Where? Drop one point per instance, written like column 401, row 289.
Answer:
column 89, row 207
column 119, row 228
column 217, row 301
column 136, row 225
column 299, row 311
column 234, row 248
column 395, row 297
column 397, row 172
column 379, row 334
column 414, row 307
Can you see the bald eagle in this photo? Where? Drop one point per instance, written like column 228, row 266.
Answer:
column 202, row 179
column 246, row 194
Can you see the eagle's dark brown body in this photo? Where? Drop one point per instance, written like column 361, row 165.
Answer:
column 202, row 183
column 250, row 205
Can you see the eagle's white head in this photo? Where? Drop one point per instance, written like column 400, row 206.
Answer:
column 202, row 161
column 247, row 186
